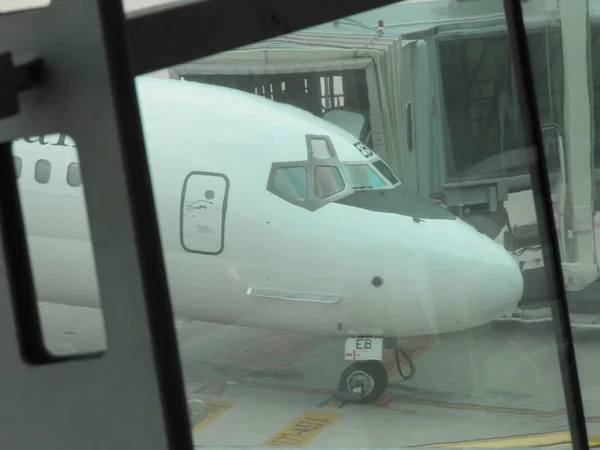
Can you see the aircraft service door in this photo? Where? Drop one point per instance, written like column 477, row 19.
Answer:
column 203, row 209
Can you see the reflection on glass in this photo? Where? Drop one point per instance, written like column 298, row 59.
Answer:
column 58, row 241
column 319, row 149
column 328, row 181
column 569, row 75
column 362, row 176
column 347, row 317
column 291, row 181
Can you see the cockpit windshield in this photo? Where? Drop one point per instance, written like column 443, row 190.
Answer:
column 385, row 171
column 363, row 176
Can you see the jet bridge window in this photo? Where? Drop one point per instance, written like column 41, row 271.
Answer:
column 42, row 171
column 290, row 182
column 328, row 181
column 74, row 175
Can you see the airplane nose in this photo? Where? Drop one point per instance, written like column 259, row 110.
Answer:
column 493, row 280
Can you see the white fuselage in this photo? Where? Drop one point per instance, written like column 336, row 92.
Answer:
column 250, row 257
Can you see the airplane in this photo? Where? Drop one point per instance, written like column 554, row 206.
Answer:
column 273, row 218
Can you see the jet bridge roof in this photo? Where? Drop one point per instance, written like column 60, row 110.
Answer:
column 351, row 42
column 298, row 52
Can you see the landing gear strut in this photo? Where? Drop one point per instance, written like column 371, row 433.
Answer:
column 366, row 379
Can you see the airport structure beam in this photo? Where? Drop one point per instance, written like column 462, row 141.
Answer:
column 197, row 29
column 574, row 19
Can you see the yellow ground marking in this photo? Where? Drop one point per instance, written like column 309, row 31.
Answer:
column 333, row 403
column 302, row 430
column 214, row 410
column 594, row 440
column 530, row 440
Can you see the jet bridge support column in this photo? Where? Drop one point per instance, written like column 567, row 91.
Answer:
column 579, row 264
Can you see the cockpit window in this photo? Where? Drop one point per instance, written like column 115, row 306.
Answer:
column 385, row 171
column 291, row 182
column 316, row 181
column 319, row 149
column 328, row 181
column 362, row 176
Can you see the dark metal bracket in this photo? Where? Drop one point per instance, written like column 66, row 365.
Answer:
column 15, row 78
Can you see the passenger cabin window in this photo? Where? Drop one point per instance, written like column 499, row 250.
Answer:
column 42, row 171
column 290, row 182
column 362, row 176
column 18, row 163
column 328, row 181
column 74, row 175
column 385, row 171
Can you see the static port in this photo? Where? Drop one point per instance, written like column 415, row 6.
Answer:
column 377, row 282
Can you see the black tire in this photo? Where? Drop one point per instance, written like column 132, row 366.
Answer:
column 373, row 369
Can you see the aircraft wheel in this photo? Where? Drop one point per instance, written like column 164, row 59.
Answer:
column 367, row 378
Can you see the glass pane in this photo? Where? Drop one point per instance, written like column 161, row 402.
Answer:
column 363, row 177
column 411, row 316
column 319, row 149
column 385, row 171
column 291, row 182
column 58, row 241
column 433, row 263
column 564, row 61
column 328, row 181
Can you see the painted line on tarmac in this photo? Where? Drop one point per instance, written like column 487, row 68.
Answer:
column 557, row 439
column 302, row 430
column 214, row 410
column 333, row 402
column 543, row 440
column 475, row 407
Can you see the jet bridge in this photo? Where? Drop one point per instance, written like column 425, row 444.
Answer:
column 399, row 74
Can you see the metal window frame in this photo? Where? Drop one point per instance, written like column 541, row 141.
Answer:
column 312, row 202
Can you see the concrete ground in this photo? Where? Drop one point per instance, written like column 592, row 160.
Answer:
column 497, row 386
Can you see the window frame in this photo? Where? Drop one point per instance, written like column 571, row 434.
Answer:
column 312, row 203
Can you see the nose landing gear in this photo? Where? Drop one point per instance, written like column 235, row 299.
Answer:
column 366, row 379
